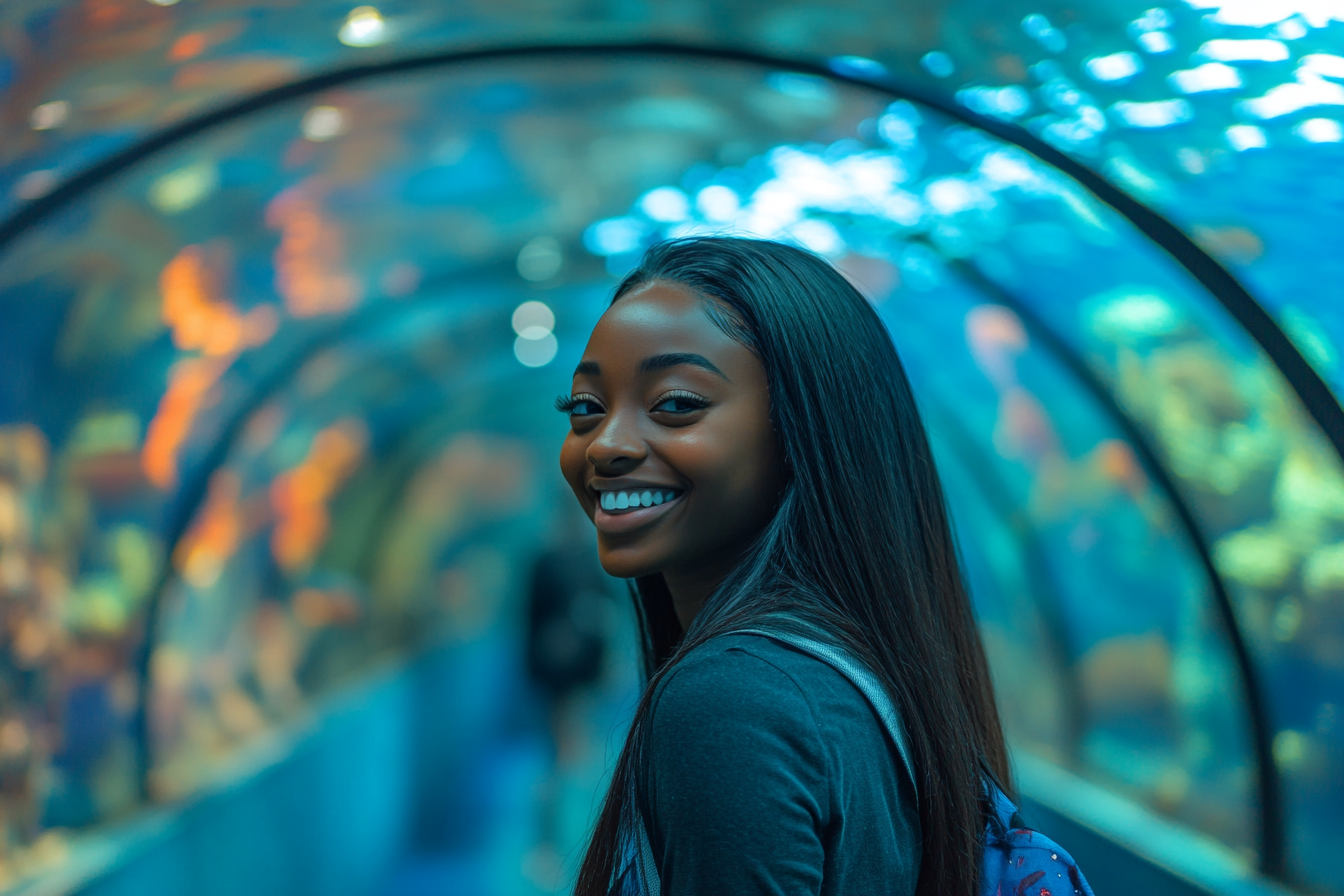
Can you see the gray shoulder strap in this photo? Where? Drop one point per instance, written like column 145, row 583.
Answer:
column 859, row 676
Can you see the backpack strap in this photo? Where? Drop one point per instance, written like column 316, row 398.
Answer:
column 858, row 675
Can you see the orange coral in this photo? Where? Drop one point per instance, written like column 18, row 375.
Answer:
column 189, row 385
column 996, row 337
column 309, row 263
column 1116, row 461
column 299, row 497
column 200, row 318
column 187, row 46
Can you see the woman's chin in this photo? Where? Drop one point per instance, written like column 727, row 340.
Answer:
column 627, row 562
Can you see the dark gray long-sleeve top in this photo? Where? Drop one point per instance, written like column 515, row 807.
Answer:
column 767, row 772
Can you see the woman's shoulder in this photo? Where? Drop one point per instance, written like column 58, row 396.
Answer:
column 742, row 661
column 751, row 680
column 782, row 756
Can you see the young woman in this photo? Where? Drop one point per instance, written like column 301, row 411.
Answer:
column 746, row 442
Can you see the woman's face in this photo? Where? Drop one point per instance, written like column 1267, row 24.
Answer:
column 671, row 452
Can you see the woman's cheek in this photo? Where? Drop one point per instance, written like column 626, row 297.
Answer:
column 718, row 470
column 572, row 463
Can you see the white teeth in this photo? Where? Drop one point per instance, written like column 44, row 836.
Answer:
column 634, row 499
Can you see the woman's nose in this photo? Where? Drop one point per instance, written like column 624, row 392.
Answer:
column 617, row 449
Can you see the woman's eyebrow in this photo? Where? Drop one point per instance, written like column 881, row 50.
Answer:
column 676, row 359
column 587, row 368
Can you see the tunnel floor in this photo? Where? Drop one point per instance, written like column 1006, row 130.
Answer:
column 528, row 800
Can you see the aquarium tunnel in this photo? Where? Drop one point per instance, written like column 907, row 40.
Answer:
column 287, row 291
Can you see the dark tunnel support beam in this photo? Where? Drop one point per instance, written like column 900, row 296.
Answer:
column 1306, row 382
column 1271, row 829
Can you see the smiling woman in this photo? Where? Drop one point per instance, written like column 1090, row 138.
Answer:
column 744, row 439
column 668, row 406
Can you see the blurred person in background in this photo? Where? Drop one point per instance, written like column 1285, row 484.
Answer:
column 566, row 647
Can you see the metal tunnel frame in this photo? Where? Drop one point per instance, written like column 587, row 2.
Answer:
column 1311, row 389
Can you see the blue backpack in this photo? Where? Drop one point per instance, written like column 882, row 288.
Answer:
column 1017, row 861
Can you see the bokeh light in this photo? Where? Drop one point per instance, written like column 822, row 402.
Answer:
column 533, row 320
column 539, row 260
column 535, row 351
column 364, row 27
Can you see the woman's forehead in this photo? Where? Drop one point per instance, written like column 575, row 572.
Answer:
column 660, row 311
column 659, row 319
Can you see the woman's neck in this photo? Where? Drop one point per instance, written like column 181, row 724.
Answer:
column 691, row 587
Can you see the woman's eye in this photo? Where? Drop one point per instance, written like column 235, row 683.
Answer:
column 680, row 403
column 577, row 406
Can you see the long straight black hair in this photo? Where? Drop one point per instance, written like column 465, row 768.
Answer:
column 860, row 543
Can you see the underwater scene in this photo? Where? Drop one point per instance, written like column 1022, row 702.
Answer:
column 277, row 360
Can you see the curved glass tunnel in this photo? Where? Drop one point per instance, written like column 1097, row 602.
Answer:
column 275, row 411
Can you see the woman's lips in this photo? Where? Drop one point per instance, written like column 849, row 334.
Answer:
column 618, row 520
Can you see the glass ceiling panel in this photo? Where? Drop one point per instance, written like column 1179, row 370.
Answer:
column 1223, row 113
